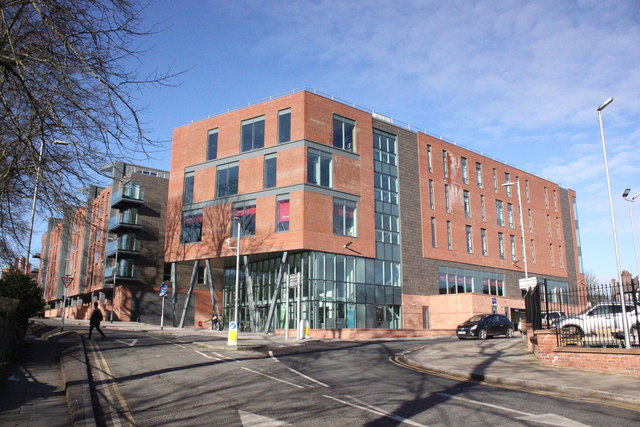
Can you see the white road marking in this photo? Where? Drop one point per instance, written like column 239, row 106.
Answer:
column 178, row 345
column 395, row 417
column 130, row 344
column 206, row 355
column 249, row 420
column 376, row 411
column 299, row 373
column 273, row 378
column 475, row 402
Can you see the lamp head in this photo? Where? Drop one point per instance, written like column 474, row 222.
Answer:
column 626, row 193
column 604, row 105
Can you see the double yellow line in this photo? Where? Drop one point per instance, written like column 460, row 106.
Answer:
column 109, row 380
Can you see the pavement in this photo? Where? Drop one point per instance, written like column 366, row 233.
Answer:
column 50, row 385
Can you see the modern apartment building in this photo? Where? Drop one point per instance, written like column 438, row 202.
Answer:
column 389, row 227
column 112, row 247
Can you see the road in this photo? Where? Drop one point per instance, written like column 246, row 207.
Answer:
column 148, row 380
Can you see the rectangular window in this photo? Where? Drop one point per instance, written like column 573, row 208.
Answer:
column 246, row 212
column 429, row 159
column 558, row 228
column 546, row 198
column 533, row 252
column 270, row 170
column 495, row 180
column 433, row 232
column 526, row 189
column 512, row 241
column 560, row 256
column 227, row 180
column 555, row 201
column 319, row 167
column 449, row 242
column 483, row 236
column 192, row 226
column 465, row 170
column 187, row 197
column 212, row 144
column 530, row 221
column 510, row 214
column 344, row 217
column 445, row 168
column 482, row 209
column 467, row 205
column 432, row 204
column 479, row 174
column 446, row 198
column 252, row 134
column 501, row 245
column 344, row 133
column 284, row 126
column 507, row 178
column 551, row 254
column 548, row 225
column 469, row 231
column 499, row 213
column 282, row 214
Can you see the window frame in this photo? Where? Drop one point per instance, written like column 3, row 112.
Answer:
column 247, row 212
column 281, row 134
column 283, row 226
column 266, row 178
column 345, row 230
column 256, row 143
column 212, row 142
column 225, row 169
column 341, row 143
column 188, row 187
column 318, row 167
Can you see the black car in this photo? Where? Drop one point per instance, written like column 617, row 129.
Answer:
column 482, row 326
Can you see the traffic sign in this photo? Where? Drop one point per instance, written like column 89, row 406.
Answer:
column 66, row 281
column 164, row 288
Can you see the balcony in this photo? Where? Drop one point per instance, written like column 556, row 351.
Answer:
column 125, row 245
column 125, row 271
column 128, row 220
column 127, row 196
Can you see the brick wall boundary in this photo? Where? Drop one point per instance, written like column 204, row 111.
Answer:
column 543, row 344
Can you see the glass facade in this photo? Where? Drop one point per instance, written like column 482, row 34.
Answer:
column 460, row 280
column 337, row 291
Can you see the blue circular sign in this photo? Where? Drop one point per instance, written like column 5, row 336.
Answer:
column 164, row 287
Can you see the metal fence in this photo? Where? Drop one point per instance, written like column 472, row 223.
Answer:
column 589, row 316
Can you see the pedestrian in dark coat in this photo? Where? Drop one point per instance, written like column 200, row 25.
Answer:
column 95, row 319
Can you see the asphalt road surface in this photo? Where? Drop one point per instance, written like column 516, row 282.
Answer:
column 149, row 380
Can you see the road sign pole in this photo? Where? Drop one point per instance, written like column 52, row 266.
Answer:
column 64, row 303
column 162, row 314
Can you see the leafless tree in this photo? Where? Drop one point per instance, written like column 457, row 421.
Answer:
column 69, row 71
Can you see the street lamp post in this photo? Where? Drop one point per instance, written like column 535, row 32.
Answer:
column 36, row 187
column 524, row 249
column 633, row 231
column 233, row 333
column 627, row 342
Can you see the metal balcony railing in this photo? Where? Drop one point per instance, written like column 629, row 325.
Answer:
column 127, row 194
column 122, row 244
column 127, row 219
column 124, row 271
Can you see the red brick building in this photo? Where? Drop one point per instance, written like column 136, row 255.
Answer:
column 389, row 227
column 112, row 247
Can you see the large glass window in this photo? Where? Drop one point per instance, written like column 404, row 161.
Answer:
column 187, row 197
column 270, row 169
column 344, row 133
column 284, row 125
column 192, row 226
column 252, row 134
column 479, row 174
column 453, row 280
column 227, row 180
column 283, row 213
column 465, row 170
column 467, row 205
column 246, row 211
column 319, row 167
column 344, row 217
column 499, row 213
column 212, row 144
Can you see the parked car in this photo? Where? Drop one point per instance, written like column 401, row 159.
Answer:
column 553, row 316
column 482, row 326
column 598, row 323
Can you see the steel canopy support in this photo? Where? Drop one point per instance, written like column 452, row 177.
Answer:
column 274, row 298
column 192, row 283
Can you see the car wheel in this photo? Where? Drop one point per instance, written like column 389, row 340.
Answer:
column 482, row 334
column 509, row 333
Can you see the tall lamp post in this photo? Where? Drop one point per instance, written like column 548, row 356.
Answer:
column 35, row 194
column 627, row 342
column 524, row 249
column 633, row 231
column 233, row 334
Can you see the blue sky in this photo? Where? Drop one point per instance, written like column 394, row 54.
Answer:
column 517, row 80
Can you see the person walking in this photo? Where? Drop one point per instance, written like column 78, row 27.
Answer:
column 215, row 322
column 95, row 319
